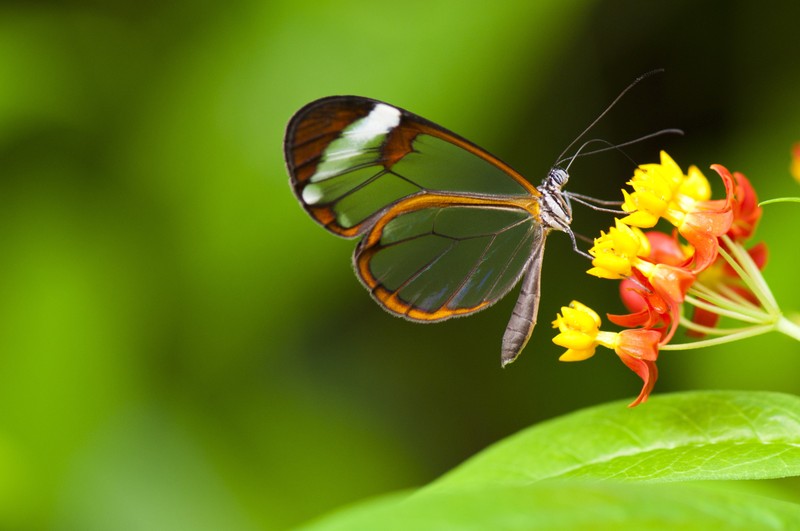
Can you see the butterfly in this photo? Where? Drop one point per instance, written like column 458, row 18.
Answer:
column 447, row 229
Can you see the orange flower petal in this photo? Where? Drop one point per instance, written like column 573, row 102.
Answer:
column 702, row 230
column 708, row 221
column 639, row 343
column 638, row 350
column 648, row 309
column 671, row 282
column 665, row 249
column 746, row 211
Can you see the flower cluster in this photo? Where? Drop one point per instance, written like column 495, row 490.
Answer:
column 702, row 263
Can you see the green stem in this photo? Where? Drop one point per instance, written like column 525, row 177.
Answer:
column 722, row 303
column 739, row 316
column 752, row 275
column 730, row 294
column 750, row 332
column 780, row 200
column 711, row 330
column 788, row 327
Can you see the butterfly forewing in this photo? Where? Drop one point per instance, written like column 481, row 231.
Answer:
column 350, row 158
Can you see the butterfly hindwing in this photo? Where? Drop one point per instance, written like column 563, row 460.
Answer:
column 433, row 257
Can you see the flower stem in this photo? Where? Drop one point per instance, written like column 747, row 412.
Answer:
column 711, row 330
column 750, row 332
column 739, row 316
column 749, row 273
column 780, row 200
column 788, row 327
column 730, row 294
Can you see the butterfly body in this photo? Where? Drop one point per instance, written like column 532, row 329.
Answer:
column 446, row 228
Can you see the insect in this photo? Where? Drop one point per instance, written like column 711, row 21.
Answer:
column 446, row 228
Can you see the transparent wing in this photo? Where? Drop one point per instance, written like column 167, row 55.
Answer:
column 432, row 257
column 351, row 158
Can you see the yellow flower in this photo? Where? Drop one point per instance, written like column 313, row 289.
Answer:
column 695, row 185
column 578, row 327
column 580, row 334
column 663, row 191
column 579, row 331
column 617, row 252
column 654, row 186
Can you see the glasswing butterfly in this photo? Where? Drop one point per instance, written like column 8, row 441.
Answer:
column 446, row 228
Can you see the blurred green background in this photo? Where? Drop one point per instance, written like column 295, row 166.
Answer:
column 181, row 347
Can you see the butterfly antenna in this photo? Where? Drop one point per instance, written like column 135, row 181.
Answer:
column 598, row 204
column 610, row 106
column 592, row 202
column 610, row 146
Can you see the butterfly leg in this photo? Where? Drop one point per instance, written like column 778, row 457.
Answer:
column 575, row 245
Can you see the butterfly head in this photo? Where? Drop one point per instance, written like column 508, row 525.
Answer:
column 556, row 179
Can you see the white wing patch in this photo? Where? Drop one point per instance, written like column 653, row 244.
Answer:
column 382, row 119
column 357, row 145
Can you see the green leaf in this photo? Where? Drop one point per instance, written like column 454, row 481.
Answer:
column 687, row 436
column 569, row 505
column 547, row 477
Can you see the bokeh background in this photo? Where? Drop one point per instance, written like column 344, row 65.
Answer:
column 181, row 347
